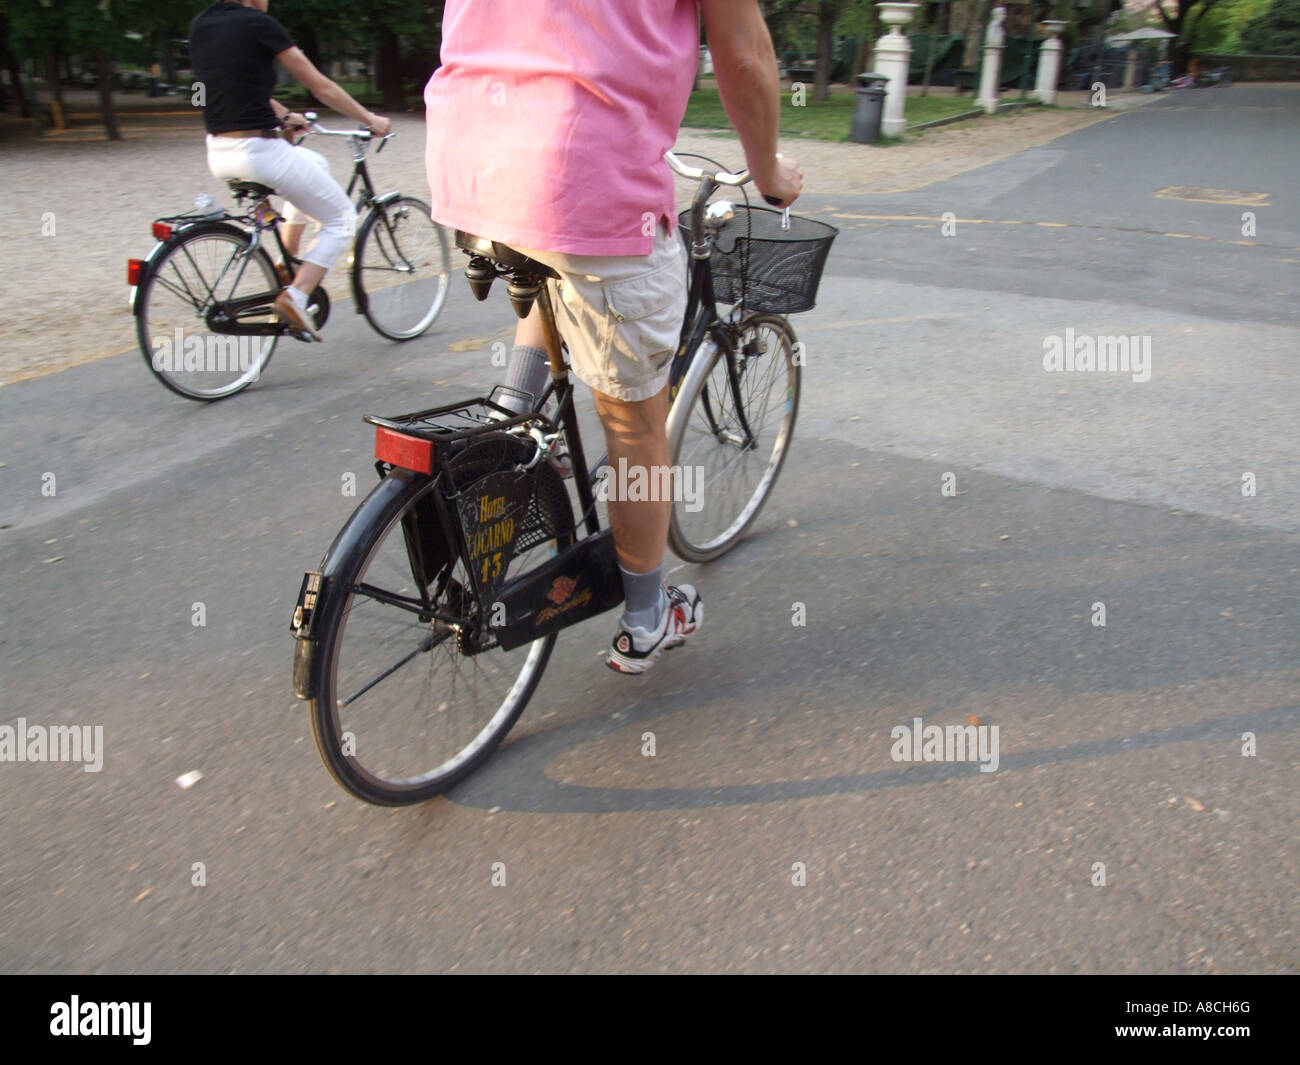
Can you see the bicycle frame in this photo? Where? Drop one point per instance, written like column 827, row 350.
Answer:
column 700, row 322
column 227, row 323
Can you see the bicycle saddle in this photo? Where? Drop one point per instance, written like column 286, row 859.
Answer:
column 249, row 188
column 525, row 274
column 502, row 253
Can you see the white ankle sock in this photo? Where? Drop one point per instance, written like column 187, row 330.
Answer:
column 299, row 297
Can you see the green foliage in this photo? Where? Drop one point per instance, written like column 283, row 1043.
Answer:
column 77, row 27
column 342, row 27
column 824, row 120
column 1219, row 29
column 1276, row 31
column 793, row 23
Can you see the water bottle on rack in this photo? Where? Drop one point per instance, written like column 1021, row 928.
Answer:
column 206, row 207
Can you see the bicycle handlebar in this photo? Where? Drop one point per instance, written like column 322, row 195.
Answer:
column 360, row 134
column 720, row 177
column 694, row 173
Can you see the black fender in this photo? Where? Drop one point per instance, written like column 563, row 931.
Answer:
column 163, row 246
column 327, row 589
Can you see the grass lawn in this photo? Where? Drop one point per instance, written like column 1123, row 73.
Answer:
column 827, row 119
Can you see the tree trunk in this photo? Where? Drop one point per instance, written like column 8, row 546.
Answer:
column 15, row 70
column 56, row 89
column 168, row 52
column 929, row 55
column 16, row 79
column 825, row 50
column 390, row 71
column 107, row 107
column 860, row 60
column 309, row 42
column 976, row 17
column 1180, row 51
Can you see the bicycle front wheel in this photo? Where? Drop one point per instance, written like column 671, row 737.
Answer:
column 728, row 433
column 206, row 264
column 408, row 695
column 401, row 268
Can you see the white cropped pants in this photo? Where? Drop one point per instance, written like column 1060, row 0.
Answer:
column 302, row 177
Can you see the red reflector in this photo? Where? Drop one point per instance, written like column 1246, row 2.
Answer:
column 406, row 452
column 162, row 230
column 133, row 268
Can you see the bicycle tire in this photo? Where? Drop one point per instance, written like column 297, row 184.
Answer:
column 171, row 267
column 705, row 435
column 345, row 569
column 375, row 301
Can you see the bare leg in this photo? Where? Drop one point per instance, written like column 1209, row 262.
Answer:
column 291, row 233
column 636, row 433
column 308, row 277
column 529, row 330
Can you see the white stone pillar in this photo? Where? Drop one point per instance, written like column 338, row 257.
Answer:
column 994, row 41
column 1049, row 62
column 893, row 52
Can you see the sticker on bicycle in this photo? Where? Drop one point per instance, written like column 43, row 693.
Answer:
column 492, row 513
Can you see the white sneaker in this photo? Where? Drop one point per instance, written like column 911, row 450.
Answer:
column 634, row 649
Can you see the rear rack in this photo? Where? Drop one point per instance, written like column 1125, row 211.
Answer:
column 189, row 218
column 410, row 441
column 456, row 421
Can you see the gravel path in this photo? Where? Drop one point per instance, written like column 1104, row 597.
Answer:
column 67, row 304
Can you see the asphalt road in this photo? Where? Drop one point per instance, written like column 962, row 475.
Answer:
column 1119, row 745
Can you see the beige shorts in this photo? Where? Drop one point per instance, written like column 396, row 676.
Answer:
column 620, row 316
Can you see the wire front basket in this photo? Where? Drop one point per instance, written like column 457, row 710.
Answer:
column 765, row 267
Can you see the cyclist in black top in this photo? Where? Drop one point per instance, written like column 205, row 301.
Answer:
column 234, row 48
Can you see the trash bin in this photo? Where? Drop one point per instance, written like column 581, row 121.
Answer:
column 870, row 108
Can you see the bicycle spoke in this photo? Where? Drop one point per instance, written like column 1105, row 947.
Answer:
column 429, row 643
column 402, row 265
column 202, row 269
column 739, row 467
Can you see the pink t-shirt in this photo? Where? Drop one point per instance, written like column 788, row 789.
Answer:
column 548, row 120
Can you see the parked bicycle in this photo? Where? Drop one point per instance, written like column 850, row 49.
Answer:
column 426, row 630
column 202, row 297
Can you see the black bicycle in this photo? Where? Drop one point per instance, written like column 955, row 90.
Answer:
column 424, row 633
column 202, row 298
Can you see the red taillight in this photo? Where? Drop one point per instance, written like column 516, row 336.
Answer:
column 404, row 452
column 162, row 230
column 133, row 268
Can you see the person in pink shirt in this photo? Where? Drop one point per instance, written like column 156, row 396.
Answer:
column 547, row 126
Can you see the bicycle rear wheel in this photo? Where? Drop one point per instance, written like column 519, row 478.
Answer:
column 401, row 268
column 205, row 264
column 404, row 705
column 729, row 438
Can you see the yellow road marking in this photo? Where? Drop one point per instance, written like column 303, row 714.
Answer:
column 1227, row 196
